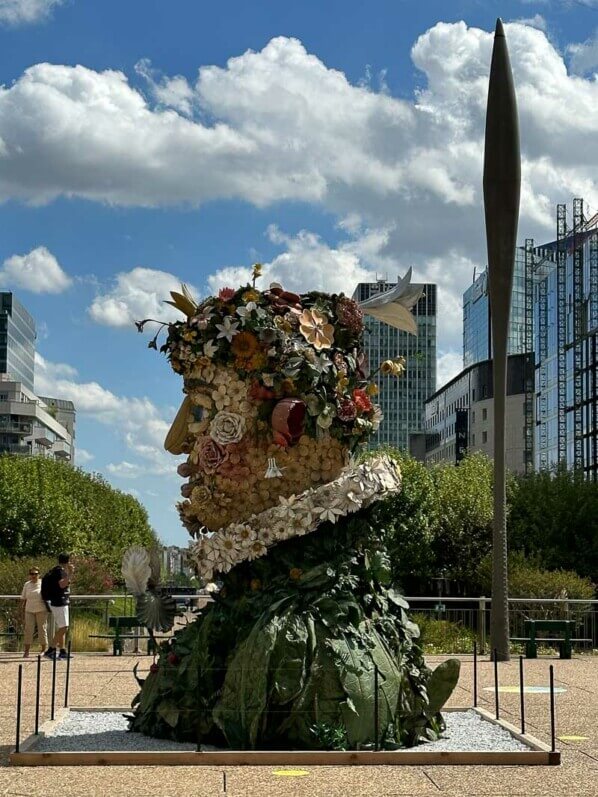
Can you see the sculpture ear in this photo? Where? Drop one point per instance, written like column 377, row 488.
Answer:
column 177, row 433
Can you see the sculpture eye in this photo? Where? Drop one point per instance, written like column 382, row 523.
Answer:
column 198, row 413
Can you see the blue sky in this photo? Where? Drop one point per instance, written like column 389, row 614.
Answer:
column 146, row 142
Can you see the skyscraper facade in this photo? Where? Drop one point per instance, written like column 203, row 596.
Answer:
column 477, row 337
column 402, row 400
column 17, row 340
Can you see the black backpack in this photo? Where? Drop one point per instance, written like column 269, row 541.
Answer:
column 49, row 584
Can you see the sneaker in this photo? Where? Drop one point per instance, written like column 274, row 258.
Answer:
column 50, row 653
column 65, row 655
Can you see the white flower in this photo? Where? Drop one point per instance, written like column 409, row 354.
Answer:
column 376, row 418
column 328, row 512
column 288, row 502
column 326, row 417
column 268, row 380
column 220, row 397
column 210, row 348
column 245, row 536
column 228, row 328
column 227, row 427
column 255, row 550
column 245, row 312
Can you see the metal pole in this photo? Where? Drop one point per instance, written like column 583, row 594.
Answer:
column 376, row 707
column 552, row 712
column 19, row 696
column 475, row 674
column 496, row 682
column 502, row 182
column 522, row 694
column 53, row 704
column 482, row 624
column 37, row 692
column 68, row 673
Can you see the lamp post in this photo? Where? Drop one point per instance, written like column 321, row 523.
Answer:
column 502, row 181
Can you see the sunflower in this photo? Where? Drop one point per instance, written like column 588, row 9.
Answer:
column 244, row 345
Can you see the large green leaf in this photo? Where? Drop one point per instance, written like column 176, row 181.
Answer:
column 239, row 713
column 288, row 660
column 442, row 684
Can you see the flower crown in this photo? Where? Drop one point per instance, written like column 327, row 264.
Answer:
column 301, row 354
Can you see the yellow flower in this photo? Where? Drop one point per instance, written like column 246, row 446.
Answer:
column 295, row 573
column 399, row 366
column 316, row 329
column 387, row 367
column 250, row 296
column 372, row 389
column 255, row 584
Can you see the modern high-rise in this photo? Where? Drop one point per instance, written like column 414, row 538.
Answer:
column 29, row 425
column 554, row 316
column 401, row 400
column 477, row 336
column 17, row 340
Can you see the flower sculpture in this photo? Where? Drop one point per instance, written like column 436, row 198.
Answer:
column 277, row 405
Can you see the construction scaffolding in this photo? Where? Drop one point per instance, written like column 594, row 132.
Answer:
column 561, row 311
column 529, row 348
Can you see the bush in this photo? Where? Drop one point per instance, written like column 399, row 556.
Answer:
column 442, row 636
column 91, row 576
column 527, row 580
column 48, row 506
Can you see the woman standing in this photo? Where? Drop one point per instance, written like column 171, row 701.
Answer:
column 36, row 612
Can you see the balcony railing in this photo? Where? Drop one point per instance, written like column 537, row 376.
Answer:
column 12, row 427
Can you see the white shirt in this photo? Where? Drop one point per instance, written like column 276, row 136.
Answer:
column 32, row 595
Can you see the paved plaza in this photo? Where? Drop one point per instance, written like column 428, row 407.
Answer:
column 101, row 680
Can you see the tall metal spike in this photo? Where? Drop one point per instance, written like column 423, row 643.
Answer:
column 502, row 182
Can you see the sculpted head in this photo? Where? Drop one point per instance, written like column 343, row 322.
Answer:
column 275, row 399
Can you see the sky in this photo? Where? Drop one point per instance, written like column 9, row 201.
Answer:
column 145, row 143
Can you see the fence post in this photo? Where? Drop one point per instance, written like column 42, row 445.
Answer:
column 475, row 674
column 496, row 682
column 552, row 711
column 482, row 623
column 522, row 694
column 19, row 697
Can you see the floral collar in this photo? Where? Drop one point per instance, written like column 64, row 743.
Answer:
column 357, row 487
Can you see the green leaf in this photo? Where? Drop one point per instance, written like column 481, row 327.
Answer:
column 169, row 712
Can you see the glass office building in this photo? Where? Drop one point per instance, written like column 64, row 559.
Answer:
column 477, row 336
column 401, row 400
column 17, row 340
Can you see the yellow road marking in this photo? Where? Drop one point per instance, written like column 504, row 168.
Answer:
column 291, row 773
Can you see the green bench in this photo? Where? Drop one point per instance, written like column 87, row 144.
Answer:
column 561, row 633
column 118, row 623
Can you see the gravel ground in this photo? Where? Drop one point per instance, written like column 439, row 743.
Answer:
column 107, row 730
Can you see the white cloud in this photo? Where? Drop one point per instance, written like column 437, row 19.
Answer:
column 137, row 420
column 537, row 21
column 83, row 456
column 135, row 295
column 583, row 57
column 38, row 272
column 448, row 365
column 280, row 125
column 23, row 12
column 170, row 92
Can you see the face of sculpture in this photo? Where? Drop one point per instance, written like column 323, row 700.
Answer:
column 235, row 468
column 275, row 399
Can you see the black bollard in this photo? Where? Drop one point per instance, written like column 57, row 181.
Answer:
column 68, row 675
column 475, row 674
column 496, row 683
column 376, row 708
column 53, row 703
column 37, row 692
column 522, row 694
column 552, row 712
column 19, row 698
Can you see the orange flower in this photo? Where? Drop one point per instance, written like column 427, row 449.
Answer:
column 255, row 584
column 295, row 573
column 244, row 345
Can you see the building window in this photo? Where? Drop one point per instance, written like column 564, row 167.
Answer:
column 473, row 416
column 484, row 437
column 484, row 415
column 473, row 440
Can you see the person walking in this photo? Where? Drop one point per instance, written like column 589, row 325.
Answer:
column 36, row 613
column 56, row 592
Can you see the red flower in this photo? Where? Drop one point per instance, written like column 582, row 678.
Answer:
column 154, row 667
column 362, row 401
column 347, row 411
column 173, row 659
column 226, row 293
column 288, row 420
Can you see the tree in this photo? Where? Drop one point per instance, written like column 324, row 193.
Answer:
column 554, row 517
column 48, row 506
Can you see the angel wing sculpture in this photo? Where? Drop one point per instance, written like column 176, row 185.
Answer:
column 394, row 307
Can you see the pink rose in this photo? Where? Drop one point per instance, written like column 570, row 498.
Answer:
column 210, row 455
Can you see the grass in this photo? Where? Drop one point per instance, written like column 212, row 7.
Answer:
column 84, row 625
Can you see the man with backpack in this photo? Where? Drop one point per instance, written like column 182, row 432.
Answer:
column 55, row 592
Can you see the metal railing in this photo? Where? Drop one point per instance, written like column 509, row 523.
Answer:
column 468, row 615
